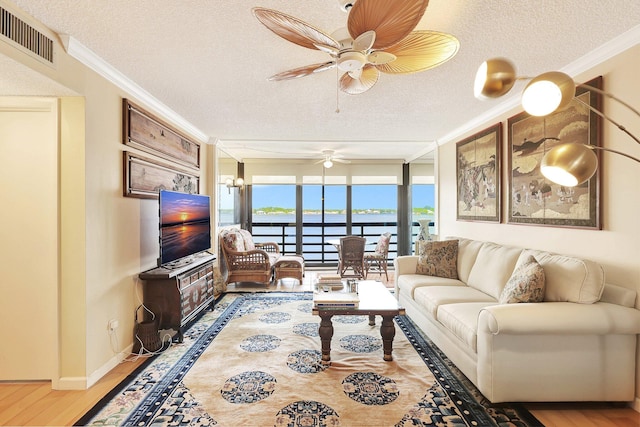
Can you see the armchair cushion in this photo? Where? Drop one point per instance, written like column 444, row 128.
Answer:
column 232, row 239
column 248, row 240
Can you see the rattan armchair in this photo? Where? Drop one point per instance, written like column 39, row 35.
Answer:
column 377, row 260
column 246, row 261
column 352, row 256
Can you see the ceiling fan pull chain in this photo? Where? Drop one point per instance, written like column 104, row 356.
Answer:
column 337, row 90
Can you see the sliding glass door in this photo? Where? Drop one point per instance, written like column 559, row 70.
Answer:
column 303, row 218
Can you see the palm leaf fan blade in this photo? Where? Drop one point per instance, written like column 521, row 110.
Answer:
column 419, row 51
column 302, row 71
column 293, row 29
column 356, row 86
column 391, row 20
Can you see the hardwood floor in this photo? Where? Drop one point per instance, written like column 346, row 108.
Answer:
column 35, row 404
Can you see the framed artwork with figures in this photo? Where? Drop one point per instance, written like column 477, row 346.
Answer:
column 533, row 199
column 478, row 176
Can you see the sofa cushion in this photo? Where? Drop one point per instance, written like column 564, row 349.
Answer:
column 467, row 253
column 438, row 259
column 408, row 283
column 526, row 284
column 569, row 278
column 493, row 267
column 431, row 297
column 462, row 320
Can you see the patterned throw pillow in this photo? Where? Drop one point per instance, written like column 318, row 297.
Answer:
column 233, row 240
column 383, row 244
column 438, row 258
column 526, row 284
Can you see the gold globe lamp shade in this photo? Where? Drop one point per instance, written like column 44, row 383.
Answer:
column 569, row 164
column 494, row 78
column 547, row 93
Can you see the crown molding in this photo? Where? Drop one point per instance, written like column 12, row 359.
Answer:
column 87, row 57
column 603, row 53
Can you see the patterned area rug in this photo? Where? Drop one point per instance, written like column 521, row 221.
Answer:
column 255, row 361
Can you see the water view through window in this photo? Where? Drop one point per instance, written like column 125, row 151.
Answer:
column 325, row 215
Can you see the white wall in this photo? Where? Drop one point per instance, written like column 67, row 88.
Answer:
column 617, row 245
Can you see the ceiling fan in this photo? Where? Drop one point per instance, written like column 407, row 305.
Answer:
column 379, row 37
column 329, row 158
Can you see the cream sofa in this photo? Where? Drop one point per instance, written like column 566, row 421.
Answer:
column 579, row 344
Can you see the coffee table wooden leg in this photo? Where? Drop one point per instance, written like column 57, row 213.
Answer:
column 387, row 331
column 372, row 320
column 326, row 333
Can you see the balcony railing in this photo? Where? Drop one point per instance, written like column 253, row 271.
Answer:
column 314, row 247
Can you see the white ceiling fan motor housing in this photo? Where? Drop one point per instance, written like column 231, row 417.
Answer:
column 351, row 61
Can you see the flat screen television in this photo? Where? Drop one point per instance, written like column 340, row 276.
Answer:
column 185, row 226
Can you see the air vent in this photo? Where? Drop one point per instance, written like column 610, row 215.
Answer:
column 24, row 36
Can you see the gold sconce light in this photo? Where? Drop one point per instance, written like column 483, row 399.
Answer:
column 237, row 183
column 566, row 164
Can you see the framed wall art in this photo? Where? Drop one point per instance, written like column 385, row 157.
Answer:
column 146, row 132
column 478, row 176
column 532, row 198
column 144, row 177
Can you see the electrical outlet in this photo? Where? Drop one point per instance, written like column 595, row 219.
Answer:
column 113, row 325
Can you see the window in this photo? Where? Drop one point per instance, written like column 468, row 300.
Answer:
column 274, row 210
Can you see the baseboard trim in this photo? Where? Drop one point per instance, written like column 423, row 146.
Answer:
column 635, row 405
column 69, row 383
column 83, row 383
column 112, row 363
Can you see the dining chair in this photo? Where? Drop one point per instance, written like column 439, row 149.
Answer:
column 377, row 260
column 352, row 256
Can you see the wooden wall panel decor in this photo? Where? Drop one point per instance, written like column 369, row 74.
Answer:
column 148, row 133
column 478, row 175
column 144, row 177
column 534, row 200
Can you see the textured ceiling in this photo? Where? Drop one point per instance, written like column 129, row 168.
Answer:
column 209, row 61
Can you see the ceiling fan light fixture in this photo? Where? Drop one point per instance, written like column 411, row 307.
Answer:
column 327, row 163
column 350, row 61
column 342, row 36
column 380, row 58
column 372, row 26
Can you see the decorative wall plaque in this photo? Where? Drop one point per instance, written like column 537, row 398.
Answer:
column 146, row 132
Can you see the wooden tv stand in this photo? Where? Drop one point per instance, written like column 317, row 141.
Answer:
column 177, row 295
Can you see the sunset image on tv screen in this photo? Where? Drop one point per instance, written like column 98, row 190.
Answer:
column 178, row 208
column 185, row 227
